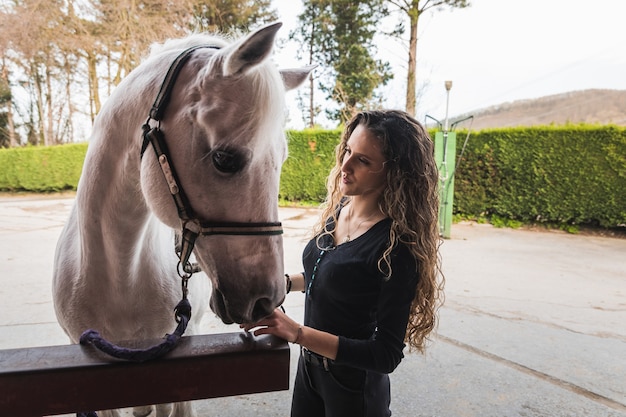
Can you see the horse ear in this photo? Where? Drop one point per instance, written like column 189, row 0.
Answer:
column 252, row 50
column 293, row 77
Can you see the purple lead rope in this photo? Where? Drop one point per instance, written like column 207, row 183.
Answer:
column 92, row 337
column 183, row 314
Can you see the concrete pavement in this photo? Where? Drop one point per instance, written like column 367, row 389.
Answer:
column 534, row 322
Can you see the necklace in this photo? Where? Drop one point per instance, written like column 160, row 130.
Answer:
column 347, row 238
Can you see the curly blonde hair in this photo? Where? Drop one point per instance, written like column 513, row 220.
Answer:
column 410, row 200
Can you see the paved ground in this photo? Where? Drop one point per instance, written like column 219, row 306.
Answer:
column 534, row 322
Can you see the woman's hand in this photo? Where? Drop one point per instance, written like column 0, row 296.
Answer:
column 278, row 324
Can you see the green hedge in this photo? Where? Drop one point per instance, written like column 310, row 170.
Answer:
column 41, row 169
column 311, row 156
column 566, row 175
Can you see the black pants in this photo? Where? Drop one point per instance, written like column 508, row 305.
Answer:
column 329, row 390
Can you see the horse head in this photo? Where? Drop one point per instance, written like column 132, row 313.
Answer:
column 223, row 128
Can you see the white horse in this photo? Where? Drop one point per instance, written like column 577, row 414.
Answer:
column 116, row 270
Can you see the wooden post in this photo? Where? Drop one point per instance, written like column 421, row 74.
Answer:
column 73, row 378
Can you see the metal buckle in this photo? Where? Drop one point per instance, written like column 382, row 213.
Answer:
column 315, row 359
column 325, row 361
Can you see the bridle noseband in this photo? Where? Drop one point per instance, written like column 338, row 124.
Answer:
column 192, row 227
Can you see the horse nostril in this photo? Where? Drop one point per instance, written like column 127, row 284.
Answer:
column 263, row 307
column 218, row 305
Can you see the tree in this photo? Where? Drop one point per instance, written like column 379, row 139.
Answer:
column 358, row 72
column 125, row 29
column 314, row 23
column 339, row 36
column 6, row 130
column 31, row 30
column 413, row 9
column 226, row 16
column 63, row 51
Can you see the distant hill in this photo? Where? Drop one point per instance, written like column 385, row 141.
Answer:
column 586, row 106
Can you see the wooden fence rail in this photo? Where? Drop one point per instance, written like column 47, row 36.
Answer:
column 52, row 380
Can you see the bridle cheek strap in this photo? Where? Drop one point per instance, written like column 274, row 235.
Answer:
column 155, row 137
column 191, row 226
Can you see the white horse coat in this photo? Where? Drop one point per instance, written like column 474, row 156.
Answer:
column 115, row 268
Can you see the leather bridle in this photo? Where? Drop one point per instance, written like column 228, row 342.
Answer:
column 192, row 227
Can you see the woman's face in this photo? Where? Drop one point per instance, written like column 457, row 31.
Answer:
column 363, row 169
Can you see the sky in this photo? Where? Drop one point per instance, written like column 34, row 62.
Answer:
column 494, row 52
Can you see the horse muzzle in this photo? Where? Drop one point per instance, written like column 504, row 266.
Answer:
column 232, row 311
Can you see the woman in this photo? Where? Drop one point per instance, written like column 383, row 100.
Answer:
column 371, row 273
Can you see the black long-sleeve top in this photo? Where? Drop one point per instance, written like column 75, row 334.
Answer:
column 347, row 295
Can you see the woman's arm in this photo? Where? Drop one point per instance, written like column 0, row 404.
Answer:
column 279, row 324
column 384, row 352
column 295, row 282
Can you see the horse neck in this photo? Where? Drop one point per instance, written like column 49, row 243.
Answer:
column 114, row 220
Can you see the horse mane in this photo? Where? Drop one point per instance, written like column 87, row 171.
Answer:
column 269, row 89
column 196, row 38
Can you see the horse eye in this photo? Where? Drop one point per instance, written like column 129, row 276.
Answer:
column 226, row 162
